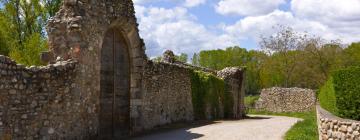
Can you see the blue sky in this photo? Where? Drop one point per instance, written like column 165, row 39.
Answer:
column 189, row 26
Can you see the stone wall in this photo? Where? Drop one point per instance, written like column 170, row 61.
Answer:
column 41, row 102
column 286, row 100
column 167, row 95
column 64, row 99
column 332, row 127
column 78, row 31
column 234, row 79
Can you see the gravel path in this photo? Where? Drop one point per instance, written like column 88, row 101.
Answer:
column 258, row 127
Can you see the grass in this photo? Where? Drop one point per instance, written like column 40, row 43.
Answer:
column 304, row 130
column 327, row 97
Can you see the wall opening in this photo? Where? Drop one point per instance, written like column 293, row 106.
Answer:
column 114, row 117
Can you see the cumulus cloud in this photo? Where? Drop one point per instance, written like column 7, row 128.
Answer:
column 193, row 3
column 342, row 17
column 253, row 27
column 247, row 7
column 177, row 30
column 185, row 3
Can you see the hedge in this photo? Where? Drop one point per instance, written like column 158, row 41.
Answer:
column 347, row 91
column 327, row 97
column 209, row 90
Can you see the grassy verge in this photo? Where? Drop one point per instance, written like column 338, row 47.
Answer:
column 304, row 130
column 327, row 97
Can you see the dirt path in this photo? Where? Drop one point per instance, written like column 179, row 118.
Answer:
column 259, row 127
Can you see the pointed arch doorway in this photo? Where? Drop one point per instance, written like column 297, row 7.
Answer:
column 114, row 117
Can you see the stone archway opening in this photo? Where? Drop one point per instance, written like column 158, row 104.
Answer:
column 114, row 117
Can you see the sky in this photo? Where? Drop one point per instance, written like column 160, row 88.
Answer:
column 189, row 26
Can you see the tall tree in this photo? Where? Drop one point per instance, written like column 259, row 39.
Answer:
column 22, row 32
column 283, row 44
column 352, row 55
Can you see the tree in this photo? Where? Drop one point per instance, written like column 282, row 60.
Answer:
column 352, row 55
column 52, row 6
column 319, row 58
column 183, row 57
column 195, row 60
column 22, row 31
column 283, row 45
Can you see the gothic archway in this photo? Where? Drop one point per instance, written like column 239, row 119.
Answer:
column 114, row 117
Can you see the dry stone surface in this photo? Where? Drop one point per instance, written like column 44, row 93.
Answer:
column 234, row 80
column 286, row 100
column 37, row 101
column 332, row 127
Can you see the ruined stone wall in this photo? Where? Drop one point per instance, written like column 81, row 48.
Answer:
column 78, row 30
column 332, row 127
column 62, row 100
column 41, row 102
column 286, row 100
column 167, row 95
column 234, row 79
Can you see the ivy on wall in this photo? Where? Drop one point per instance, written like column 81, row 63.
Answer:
column 209, row 97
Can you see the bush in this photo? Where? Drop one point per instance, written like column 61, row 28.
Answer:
column 250, row 101
column 209, row 91
column 327, row 97
column 347, row 91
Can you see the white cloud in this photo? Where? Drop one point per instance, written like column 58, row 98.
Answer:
column 341, row 16
column 247, row 7
column 253, row 27
column 185, row 3
column 177, row 30
column 326, row 10
column 193, row 3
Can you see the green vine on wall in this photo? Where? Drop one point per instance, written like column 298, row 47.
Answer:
column 209, row 95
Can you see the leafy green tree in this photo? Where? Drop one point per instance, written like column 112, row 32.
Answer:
column 183, row 57
column 22, row 31
column 283, row 46
column 52, row 6
column 352, row 55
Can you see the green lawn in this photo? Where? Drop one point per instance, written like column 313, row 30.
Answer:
column 304, row 130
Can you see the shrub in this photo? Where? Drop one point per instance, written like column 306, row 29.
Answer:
column 209, row 91
column 327, row 97
column 250, row 101
column 347, row 91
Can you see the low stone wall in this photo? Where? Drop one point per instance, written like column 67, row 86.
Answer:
column 167, row 95
column 39, row 102
column 286, row 100
column 332, row 127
